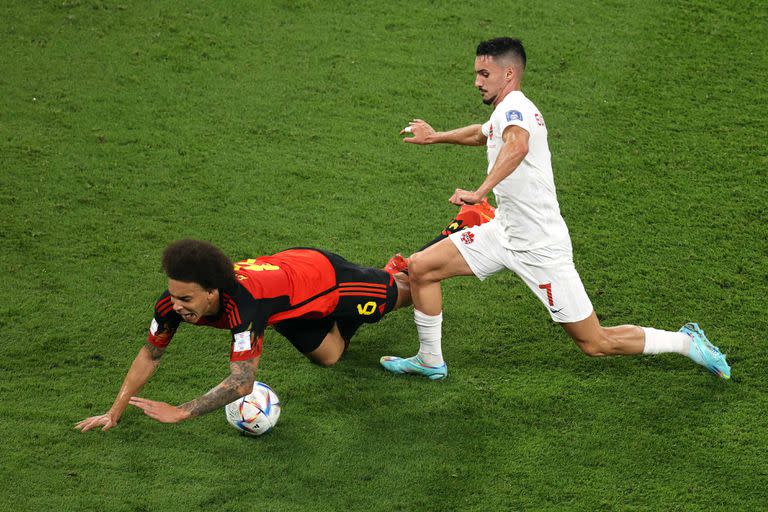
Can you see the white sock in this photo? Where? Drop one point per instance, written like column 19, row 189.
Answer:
column 430, row 333
column 660, row 342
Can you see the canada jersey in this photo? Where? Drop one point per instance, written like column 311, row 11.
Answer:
column 528, row 213
column 297, row 283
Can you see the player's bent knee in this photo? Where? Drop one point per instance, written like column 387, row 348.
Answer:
column 415, row 266
column 419, row 268
column 330, row 350
column 325, row 358
column 326, row 361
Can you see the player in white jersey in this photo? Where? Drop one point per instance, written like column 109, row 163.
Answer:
column 528, row 235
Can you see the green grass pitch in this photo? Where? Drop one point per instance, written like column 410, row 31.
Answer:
column 264, row 125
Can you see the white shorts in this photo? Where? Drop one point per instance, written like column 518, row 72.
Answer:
column 549, row 271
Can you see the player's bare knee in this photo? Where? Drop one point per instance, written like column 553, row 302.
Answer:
column 327, row 355
column 419, row 268
column 326, row 360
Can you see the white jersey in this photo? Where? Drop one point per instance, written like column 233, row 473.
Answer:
column 528, row 213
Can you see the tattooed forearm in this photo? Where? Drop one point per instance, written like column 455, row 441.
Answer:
column 154, row 352
column 239, row 383
column 218, row 397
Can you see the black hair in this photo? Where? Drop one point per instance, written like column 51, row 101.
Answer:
column 195, row 261
column 502, row 47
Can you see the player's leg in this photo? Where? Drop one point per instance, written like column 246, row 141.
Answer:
column 595, row 340
column 330, row 349
column 318, row 339
column 323, row 340
column 690, row 341
column 365, row 295
column 463, row 254
column 427, row 268
column 551, row 275
column 559, row 287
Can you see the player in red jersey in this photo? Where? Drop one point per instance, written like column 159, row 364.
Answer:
column 314, row 298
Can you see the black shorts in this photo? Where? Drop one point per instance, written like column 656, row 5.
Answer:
column 365, row 296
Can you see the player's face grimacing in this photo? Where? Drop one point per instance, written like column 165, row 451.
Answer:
column 490, row 78
column 191, row 301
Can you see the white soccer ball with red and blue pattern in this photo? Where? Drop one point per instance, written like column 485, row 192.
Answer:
column 256, row 413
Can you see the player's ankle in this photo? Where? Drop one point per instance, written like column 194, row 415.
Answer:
column 660, row 342
column 430, row 359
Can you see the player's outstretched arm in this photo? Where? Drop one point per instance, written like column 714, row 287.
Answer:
column 422, row 133
column 238, row 383
column 141, row 370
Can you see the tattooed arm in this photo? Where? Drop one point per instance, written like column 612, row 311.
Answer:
column 141, row 370
column 238, row 383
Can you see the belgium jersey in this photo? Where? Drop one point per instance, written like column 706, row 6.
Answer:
column 297, row 283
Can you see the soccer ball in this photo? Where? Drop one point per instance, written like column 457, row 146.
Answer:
column 255, row 413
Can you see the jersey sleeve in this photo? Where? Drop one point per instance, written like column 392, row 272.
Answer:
column 516, row 114
column 246, row 344
column 246, row 318
column 164, row 322
column 486, row 128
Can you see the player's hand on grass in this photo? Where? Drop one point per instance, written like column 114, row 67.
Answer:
column 420, row 130
column 105, row 421
column 461, row 197
column 160, row 411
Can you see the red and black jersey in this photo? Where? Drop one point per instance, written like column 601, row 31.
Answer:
column 297, row 283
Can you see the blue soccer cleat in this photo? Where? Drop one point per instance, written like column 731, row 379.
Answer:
column 414, row 365
column 705, row 353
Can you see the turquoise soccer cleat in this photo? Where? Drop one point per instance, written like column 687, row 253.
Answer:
column 414, row 365
column 705, row 353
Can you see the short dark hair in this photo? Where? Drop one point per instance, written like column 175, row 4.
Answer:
column 502, row 47
column 195, row 261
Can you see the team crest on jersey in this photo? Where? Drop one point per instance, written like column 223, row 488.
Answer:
column 539, row 119
column 490, row 132
column 514, row 115
column 467, row 237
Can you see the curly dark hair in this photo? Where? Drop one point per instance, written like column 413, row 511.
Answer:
column 504, row 47
column 196, row 261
